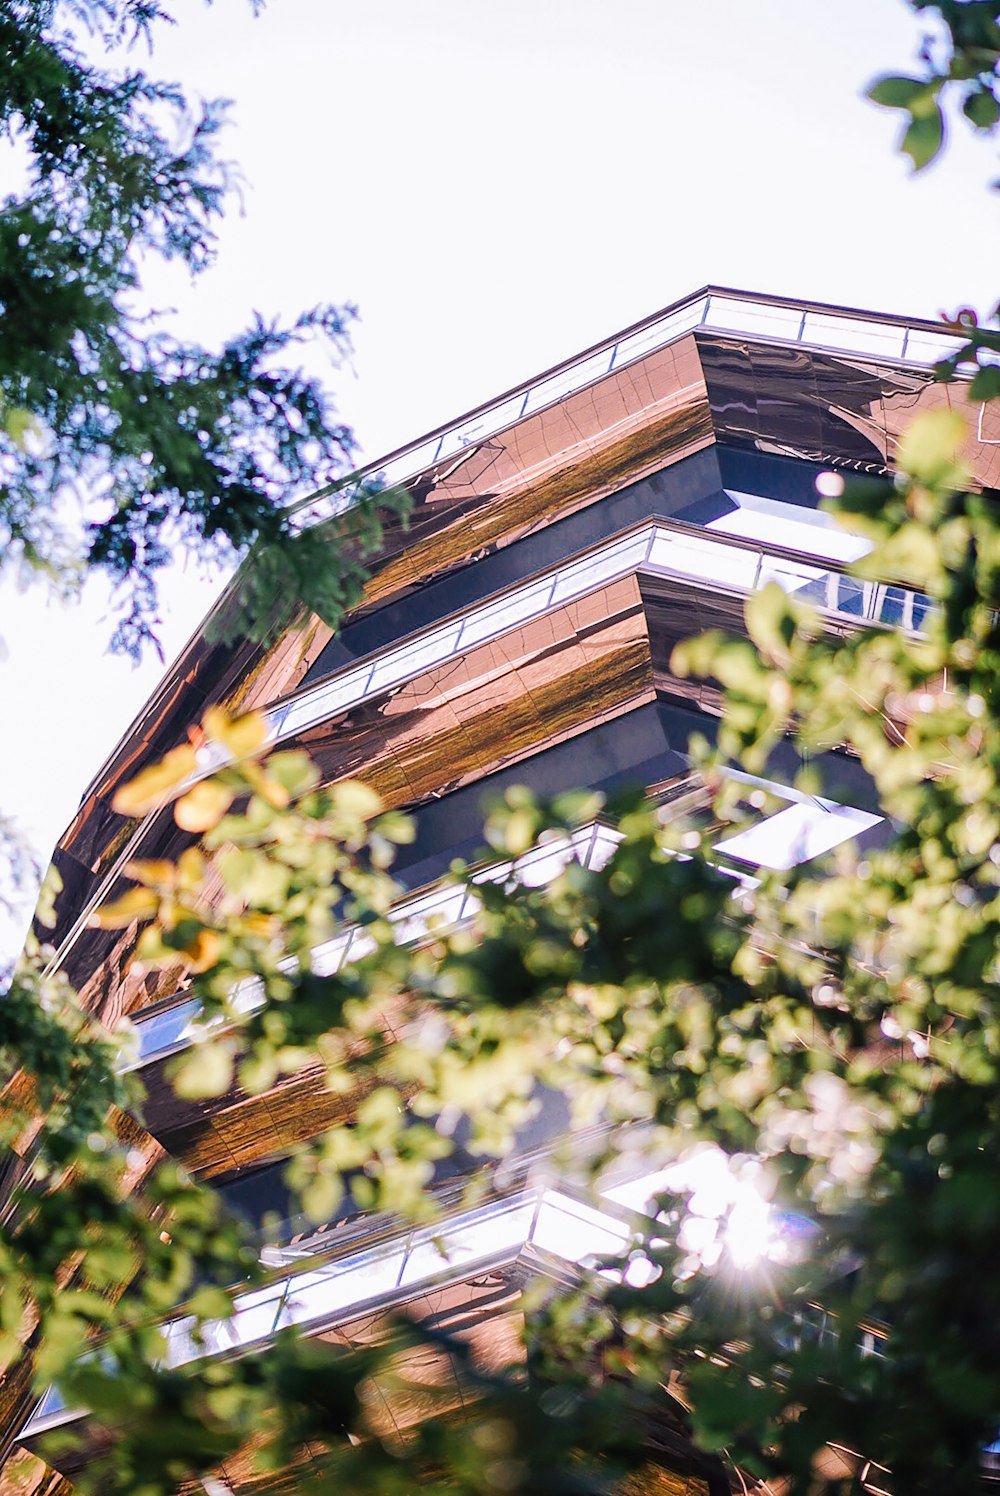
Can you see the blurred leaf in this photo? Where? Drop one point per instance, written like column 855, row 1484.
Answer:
column 930, row 447
column 356, row 801
column 923, row 138
column 134, row 904
column 240, row 736
column 204, row 1070
column 985, row 383
column 772, row 620
column 149, row 789
column 895, row 91
column 983, row 109
column 203, row 806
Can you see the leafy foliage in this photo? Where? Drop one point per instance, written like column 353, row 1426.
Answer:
column 157, row 441
column 829, row 1042
column 833, row 1036
column 960, row 64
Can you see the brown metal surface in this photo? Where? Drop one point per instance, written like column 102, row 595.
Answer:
column 840, row 409
column 584, row 663
column 828, row 407
column 587, row 662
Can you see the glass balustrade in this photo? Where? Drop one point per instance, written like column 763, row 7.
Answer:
column 808, row 827
column 369, row 1277
column 919, row 344
column 553, row 1221
column 167, row 1030
column 713, row 557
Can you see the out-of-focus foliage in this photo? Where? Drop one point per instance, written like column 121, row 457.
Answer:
column 832, row 1035
column 106, row 420
column 835, row 1034
column 959, row 69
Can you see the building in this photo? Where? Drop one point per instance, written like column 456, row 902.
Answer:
column 562, row 540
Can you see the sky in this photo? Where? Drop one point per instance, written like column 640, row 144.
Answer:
column 497, row 186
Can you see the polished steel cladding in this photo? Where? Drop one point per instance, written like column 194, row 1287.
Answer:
column 562, row 540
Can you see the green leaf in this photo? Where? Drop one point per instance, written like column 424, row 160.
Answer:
column 986, row 383
column 210, row 1302
column 206, row 1070
column 923, row 138
column 20, row 424
column 983, row 109
column 355, row 801
column 929, row 448
column 771, row 620
column 294, row 770
column 895, row 91
column 321, row 1196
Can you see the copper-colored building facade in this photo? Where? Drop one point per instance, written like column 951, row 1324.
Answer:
column 562, row 539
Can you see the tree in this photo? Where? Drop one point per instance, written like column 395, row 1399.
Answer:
column 837, row 1037
column 120, row 443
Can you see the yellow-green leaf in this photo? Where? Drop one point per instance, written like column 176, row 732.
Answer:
column 136, row 903
column 206, row 1070
column 148, row 790
column 240, row 735
column 930, row 447
column 203, row 806
column 355, row 800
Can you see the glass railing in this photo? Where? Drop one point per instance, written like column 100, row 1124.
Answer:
column 550, row 1220
column 896, row 340
column 167, row 1030
column 666, row 548
column 807, row 827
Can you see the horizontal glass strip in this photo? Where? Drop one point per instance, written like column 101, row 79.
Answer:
column 679, row 551
column 447, row 906
column 387, row 1272
column 168, row 1030
column 791, row 322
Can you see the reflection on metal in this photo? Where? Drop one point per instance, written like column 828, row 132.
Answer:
column 551, row 1221
column 675, row 549
column 762, row 318
column 534, row 664
column 773, row 383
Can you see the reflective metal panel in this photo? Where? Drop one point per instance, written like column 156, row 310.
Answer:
column 773, row 396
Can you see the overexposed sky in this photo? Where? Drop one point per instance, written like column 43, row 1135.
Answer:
column 497, row 184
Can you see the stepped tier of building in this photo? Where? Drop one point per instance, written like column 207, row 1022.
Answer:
column 519, row 630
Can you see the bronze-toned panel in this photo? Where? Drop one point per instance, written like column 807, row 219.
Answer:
column 25, row 1474
column 496, row 704
column 238, row 1131
column 632, row 422
column 836, row 408
column 809, row 404
column 587, row 662
column 635, row 421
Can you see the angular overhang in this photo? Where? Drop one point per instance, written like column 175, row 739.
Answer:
column 492, row 687
column 472, row 1305
column 721, row 371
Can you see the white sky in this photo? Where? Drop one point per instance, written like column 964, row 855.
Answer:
column 497, row 185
